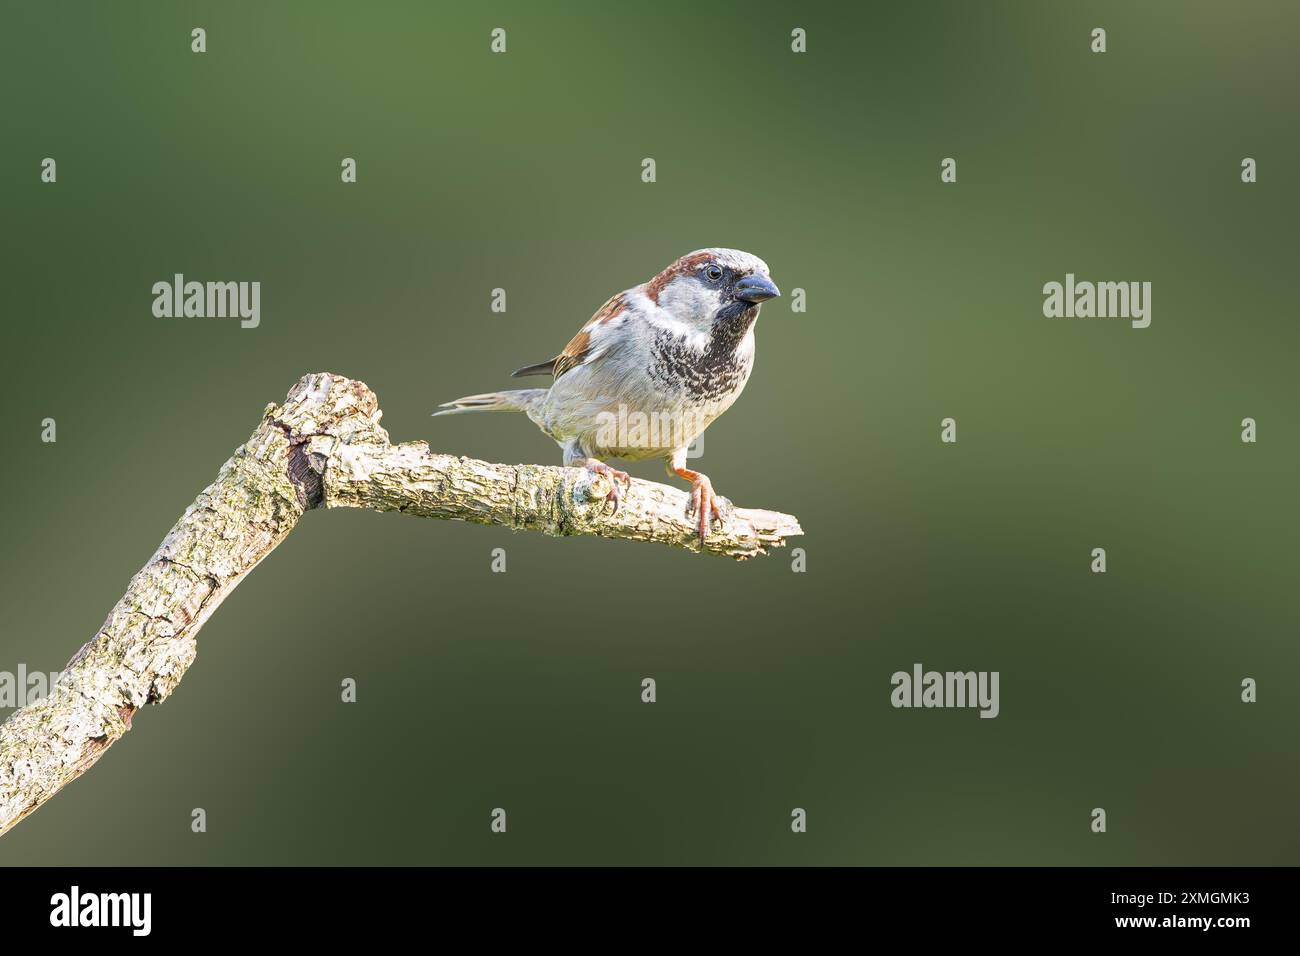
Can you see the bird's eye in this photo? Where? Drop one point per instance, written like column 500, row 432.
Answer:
column 714, row 272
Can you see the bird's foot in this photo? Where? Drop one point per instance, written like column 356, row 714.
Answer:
column 616, row 477
column 706, row 506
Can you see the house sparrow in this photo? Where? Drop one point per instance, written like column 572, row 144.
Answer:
column 649, row 372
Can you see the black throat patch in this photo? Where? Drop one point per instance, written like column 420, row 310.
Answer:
column 716, row 371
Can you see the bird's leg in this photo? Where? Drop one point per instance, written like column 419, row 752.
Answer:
column 704, row 504
column 615, row 476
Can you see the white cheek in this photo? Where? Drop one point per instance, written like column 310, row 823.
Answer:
column 690, row 301
column 746, row 348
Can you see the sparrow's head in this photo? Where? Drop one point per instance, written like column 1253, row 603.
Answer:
column 713, row 285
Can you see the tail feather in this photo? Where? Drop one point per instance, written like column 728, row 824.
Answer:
column 516, row 400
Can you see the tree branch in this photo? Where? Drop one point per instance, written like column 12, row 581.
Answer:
column 322, row 448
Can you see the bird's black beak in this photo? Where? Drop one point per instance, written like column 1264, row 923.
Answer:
column 756, row 289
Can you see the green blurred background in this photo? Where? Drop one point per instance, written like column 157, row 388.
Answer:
column 481, row 690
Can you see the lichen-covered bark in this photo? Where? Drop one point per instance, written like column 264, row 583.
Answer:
column 557, row 501
column 322, row 448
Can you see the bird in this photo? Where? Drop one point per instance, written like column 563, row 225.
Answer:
column 648, row 373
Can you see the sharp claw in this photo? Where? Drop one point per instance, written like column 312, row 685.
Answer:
column 615, row 498
column 705, row 507
column 721, row 509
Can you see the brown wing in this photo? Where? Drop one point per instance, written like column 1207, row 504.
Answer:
column 575, row 353
column 541, row 368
